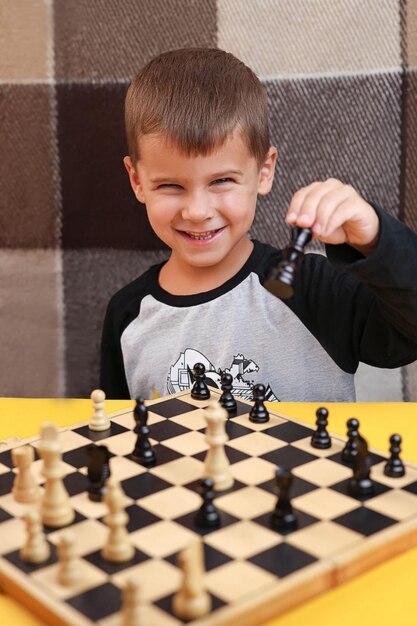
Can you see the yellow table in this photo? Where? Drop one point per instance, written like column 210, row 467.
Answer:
column 387, row 594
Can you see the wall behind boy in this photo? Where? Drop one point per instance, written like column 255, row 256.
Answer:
column 342, row 84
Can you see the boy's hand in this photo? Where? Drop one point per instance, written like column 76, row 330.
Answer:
column 336, row 214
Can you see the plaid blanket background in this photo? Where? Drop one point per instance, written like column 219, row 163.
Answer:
column 342, row 84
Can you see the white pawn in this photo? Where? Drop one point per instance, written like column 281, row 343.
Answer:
column 192, row 600
column 25, row 488
column 217, row 465
column 99, row 420
column 133, row 608
column 118, row 548
column 56, row 509
column 36, row 548
column 69, row 565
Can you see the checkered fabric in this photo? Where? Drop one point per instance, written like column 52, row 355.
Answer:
column 342, row 85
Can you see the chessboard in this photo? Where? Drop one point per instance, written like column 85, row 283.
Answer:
column 253, row 572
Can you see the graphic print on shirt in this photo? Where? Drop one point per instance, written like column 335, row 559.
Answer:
column 180, row 376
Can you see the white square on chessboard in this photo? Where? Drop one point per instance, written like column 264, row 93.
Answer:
column 244, row 420
column 188, row 443
column 157, row 578
column 324, row 503
column 162, row 538
column 171, row 502
column 244, row 502
column 17, row 509
column 89, row 577
column 181, row 471
column 193, row 420
column 397, row 504
column 377, row 473
column 243, row 539
column 123, row 468
column 68, row 440
column 305, row 444
column 233, row 581
column 128, row 421
column 256, row 443
column 324, row 539
column 323, row 472
column 82, row 503
column 120, row 444
column 253, row 471
column 13, row 535
column 153, row 615
column 90, row 535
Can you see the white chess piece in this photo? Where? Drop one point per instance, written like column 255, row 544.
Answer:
column 99, row 420
column 217, row 465
column 118, row 548
column 133, row 612
column 69, row 565
column 192, row 600
column 36, row 548
column 56, row 509
column 25, row 488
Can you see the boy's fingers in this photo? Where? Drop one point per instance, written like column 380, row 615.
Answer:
column 311, row 206
column 297, row 203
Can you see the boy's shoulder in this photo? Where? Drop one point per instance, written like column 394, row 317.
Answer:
column 138, row 287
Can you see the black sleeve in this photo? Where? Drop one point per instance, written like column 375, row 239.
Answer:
column 363, row 309
column 112, row 373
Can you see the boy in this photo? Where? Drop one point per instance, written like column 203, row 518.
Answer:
column 199, row 155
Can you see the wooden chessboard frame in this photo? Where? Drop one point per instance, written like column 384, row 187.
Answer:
column 273, row 600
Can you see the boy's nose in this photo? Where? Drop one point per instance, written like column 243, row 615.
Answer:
column 197, row 208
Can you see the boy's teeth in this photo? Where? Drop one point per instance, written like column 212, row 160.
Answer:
column 206, row 235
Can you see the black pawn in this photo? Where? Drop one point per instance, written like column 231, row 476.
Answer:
column 98, row 471
column 258, row 413
column 143, row 453
column 283, row 518
column 227, row 400
column 282, row 277
column 320, row 438
column 207, row 516
column 361, row 485
column 394, row 467
column 199, row 390
column 350, row 450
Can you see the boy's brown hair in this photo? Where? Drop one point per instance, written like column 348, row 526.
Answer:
column 196, row 97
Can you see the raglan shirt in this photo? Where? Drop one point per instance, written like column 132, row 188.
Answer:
column 346, row 308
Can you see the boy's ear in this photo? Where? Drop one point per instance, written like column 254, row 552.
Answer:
column 134, row 179
column 266, row 175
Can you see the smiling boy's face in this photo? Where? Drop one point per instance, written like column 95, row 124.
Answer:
column 202, row 207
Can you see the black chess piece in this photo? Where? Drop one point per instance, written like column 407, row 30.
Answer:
column 394, row 467
column 361, row 485
column 207, row 516
column 143, row 452
column 200, row 390
column 283, row 518
column 227, row 400
column 259, row 413
column 281, row 278
column 321, row 438
column 98, row 471
column 350, row 450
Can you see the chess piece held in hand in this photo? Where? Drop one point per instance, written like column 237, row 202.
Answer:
column 281, row 278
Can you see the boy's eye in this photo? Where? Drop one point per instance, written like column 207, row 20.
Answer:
column 169, row 186
column 222, row 181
